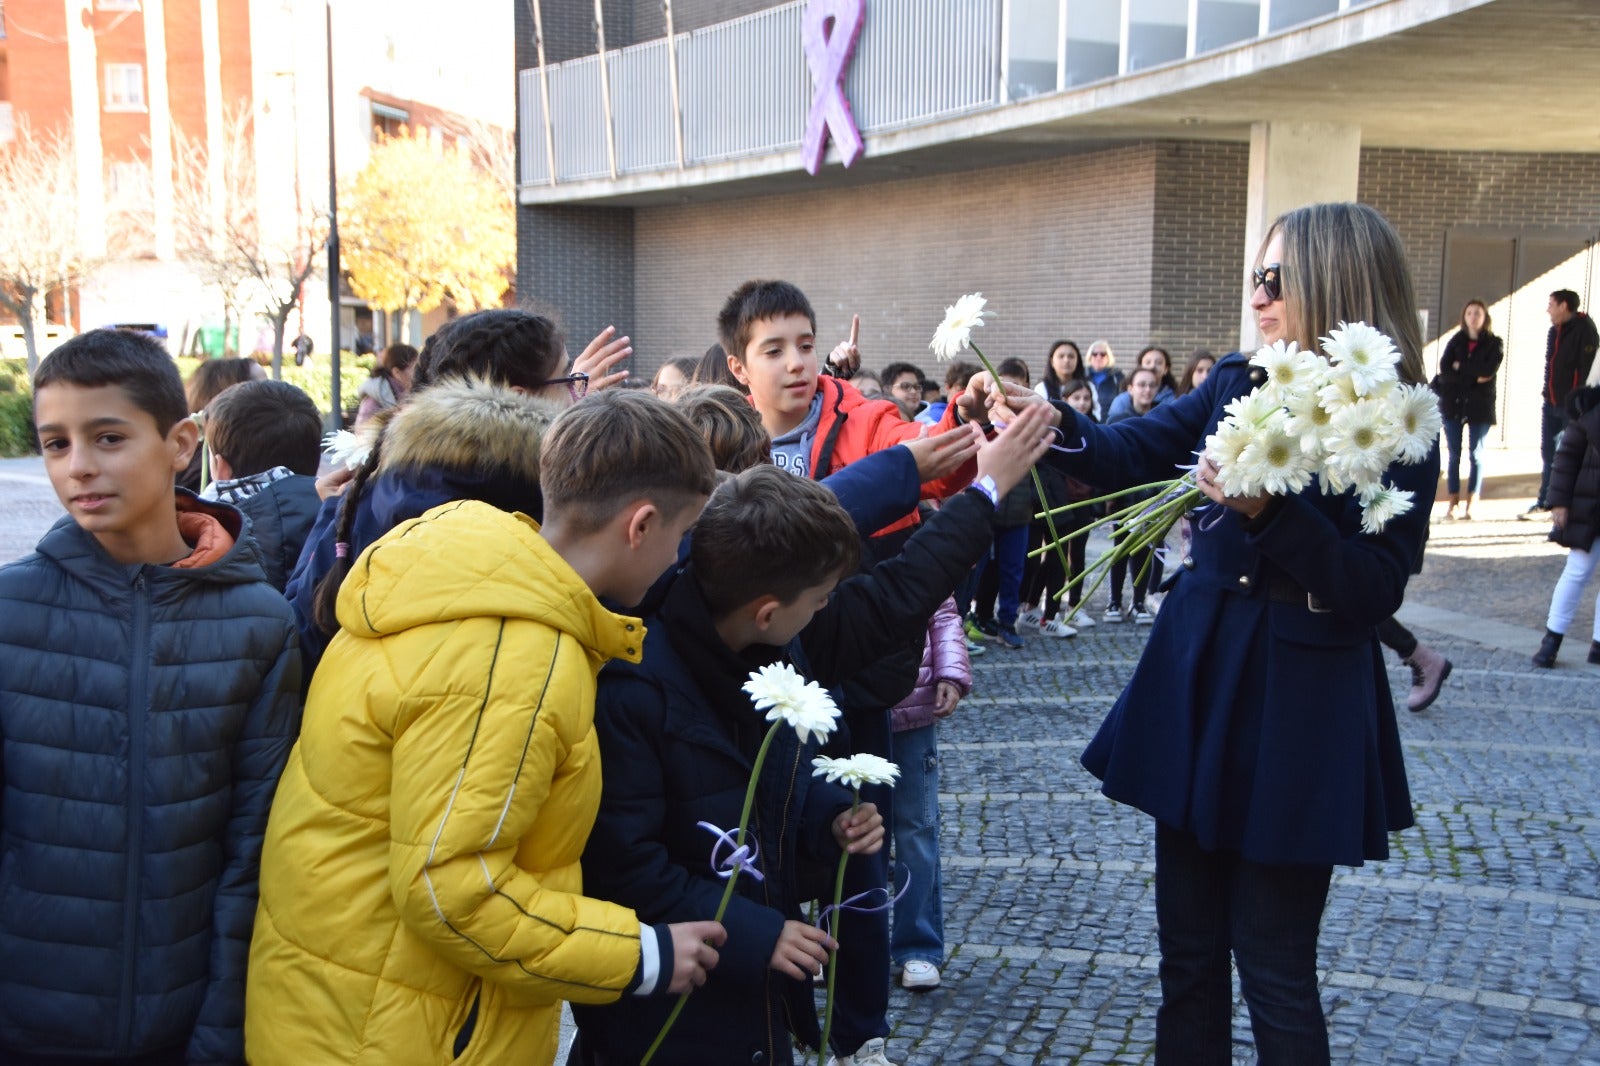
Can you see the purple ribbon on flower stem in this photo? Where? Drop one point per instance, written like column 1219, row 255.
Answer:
column 741, row 857
column 825, row 919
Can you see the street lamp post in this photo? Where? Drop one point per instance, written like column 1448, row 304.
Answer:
column 336, row 415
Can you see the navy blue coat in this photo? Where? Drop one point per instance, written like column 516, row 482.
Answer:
column 1254, row 722
column 281, row 516
column 677, row 740
column 145, row 715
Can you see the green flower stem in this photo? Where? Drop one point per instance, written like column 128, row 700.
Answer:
column 1038, row 488
column 727, row 891
column 833, row 956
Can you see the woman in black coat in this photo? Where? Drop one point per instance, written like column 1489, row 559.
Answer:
column 1575, row 511
column 1258, row 729
column 1465, row 384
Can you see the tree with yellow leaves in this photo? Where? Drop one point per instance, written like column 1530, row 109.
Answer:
column 420, row 224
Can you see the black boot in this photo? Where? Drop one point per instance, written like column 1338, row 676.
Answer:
column 1594, row 652
column 1546, row 655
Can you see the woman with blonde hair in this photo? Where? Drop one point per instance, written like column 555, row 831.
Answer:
column 1258, row 729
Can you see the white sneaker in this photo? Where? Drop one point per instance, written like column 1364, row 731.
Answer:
column 1142, row 617
column 869, row 1054
column 1056, row 628
column 919, row 975
column 1113, row 614
column 1083, row 620
column 1030, row 617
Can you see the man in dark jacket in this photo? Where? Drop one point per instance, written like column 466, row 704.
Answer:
column 149, row 696
column 1568, row 355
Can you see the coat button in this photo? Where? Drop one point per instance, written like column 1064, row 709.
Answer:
column 1188, row 562
column 1244, row 582
column 630, row 627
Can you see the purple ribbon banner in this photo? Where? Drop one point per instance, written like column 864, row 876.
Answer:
column 829, row 30
column 855, row 903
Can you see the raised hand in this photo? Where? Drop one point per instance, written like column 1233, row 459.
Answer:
column 845, row 359
column 603, row 353
column 694, row 952
column 1016, row 448
column 940, row 455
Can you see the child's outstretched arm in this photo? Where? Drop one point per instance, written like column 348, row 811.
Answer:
column 259, row 754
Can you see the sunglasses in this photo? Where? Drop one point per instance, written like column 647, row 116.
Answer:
column 1269, row 278
column 577, row 384
column 1098, row 355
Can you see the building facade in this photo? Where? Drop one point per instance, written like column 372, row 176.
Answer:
column 155, row 91
column 1097, row 170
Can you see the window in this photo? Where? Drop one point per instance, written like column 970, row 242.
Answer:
column 128, row 185
column 117, row 5
column 124, row 87
column 388, row 121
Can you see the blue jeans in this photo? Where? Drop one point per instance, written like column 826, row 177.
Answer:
column 1213, row 903
column 1476, row 433
column 919, row 916
column 1000, row 576
column 1551, row 422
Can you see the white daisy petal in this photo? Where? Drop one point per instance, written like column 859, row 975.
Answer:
column 782, row 693
column 1380, row 503
column 954, row 334
column 346, row 449
column 1365, row 354
column 1415, row 410
column 857, row 770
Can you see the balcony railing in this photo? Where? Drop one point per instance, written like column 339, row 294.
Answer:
column 744, row 89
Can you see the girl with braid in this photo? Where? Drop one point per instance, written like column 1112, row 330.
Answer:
column 515, row 352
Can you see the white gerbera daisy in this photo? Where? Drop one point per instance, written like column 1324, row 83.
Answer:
column 1290, row 371
column 1361, row 441
column 782, row 693
column 1380, row 503
column 1415, row 410
column 1274, row 462
column 1308, row 420
column 1338, row 389
column 954, row 334
column 857, row 770
column 344, row 448
column 1252, row 409
column 1367, row 355
column 1223, row 446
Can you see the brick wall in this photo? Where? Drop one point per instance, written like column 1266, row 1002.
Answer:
column 575, row 264
column 1061, row 248
column 1425, row 193
column 1198, row 241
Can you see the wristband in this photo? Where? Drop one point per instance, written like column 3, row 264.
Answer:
column 988, row 488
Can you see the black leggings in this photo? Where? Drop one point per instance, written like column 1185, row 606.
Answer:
column 1043, row 575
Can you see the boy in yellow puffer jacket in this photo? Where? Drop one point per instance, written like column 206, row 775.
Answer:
column 421, row 900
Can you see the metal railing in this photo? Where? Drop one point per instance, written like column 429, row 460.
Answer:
column 744, row 88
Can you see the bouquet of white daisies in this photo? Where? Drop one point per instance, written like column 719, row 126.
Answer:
column 1341, row 416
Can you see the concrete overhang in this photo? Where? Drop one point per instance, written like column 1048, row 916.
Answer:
column 1465, row 75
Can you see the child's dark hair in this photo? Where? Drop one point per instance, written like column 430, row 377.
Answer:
column 958, row 375
column 1075, row 385
column 616, row 447
column 767, row 532
column 134, row 363
column 395, row 357
column 730, row 424
column 502, row 345
column 207, row 380
column 713, row 370
column 262, row 424
column 1015, row 369
column 894, row 370
column 753, row 302
column 1054, row 387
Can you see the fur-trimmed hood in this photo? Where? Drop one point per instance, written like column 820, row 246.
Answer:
column 468, row 426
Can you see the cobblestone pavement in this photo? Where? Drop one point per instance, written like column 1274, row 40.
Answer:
column 1475, row 943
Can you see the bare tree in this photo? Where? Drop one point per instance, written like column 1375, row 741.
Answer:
column 221, row 234
column 40, row 245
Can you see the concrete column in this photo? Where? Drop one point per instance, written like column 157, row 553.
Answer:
column 84, row 81
column 1291, row 165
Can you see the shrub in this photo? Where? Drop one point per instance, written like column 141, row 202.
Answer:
column 16, row 410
